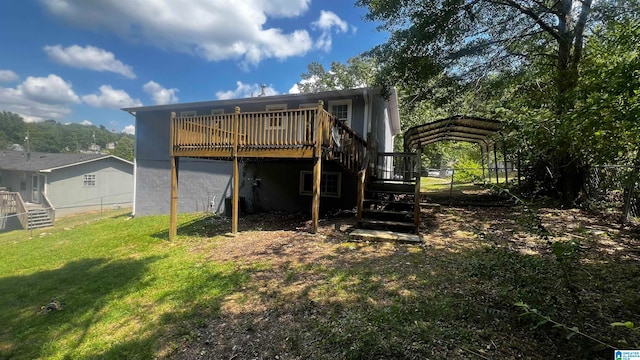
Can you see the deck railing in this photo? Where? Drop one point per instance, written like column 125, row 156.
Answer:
column 268, row 130
column 397, row 166
column 11, row 203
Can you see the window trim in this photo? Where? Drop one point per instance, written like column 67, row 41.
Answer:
column 189, row 113
column 336, row 194
column 215, row 112
column 347, row 102
column 89, row 180
column 281, row 119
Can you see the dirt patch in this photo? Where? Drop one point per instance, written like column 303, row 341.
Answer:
column 320, row 296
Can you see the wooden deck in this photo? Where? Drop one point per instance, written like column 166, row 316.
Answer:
column 310, row 133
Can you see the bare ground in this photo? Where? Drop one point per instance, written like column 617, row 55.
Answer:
column 323, row 297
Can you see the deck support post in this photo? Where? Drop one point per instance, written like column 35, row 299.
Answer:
column 236, row 180
column 173, row 215
column 317, row 169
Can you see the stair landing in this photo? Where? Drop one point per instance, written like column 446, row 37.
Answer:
column 381, row 235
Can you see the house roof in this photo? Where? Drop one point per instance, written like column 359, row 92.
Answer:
column 302, row 97
column 46, row 162
column 459, row 128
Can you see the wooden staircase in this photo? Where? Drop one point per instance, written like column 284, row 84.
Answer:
column 390, row 200
column 39, row 218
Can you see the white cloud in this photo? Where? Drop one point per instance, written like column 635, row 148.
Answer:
column 50, row 90
column 129, row 129
column 89, row 57
column 159, row 94
column 295, row 89
column 111, row 98
column 245, row 91
column 326, row 23
column 213, row 29
column 86, row 123
column 8, row 76
column 39, row 98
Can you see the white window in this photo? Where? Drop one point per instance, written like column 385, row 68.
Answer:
column 329, row 183
column 188, row 113
column 217, row 111
column 89, row 180
column 277, row 120
column 341, row 109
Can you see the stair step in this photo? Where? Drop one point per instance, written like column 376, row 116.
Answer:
column 392, row 192
column 378, row 235
column 385, row 224
column 387, row 212
column 392, row 214
column 391, row 187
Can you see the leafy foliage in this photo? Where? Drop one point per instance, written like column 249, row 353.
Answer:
column 359, row 71
column 51, row 136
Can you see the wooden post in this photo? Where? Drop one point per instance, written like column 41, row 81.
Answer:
column 506, row 171
column 482, row 160
column 236, row 181
column 495, row 160
column 519, row 164
column 173, row 209
column 362, row 176
column 317, row 169
column 416, row 205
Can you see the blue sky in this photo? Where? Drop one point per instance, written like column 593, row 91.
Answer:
column 80, row 61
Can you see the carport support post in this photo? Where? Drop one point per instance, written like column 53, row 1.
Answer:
column 506, row 171
column 482, row 160
column 236, row 180
column 495, row 160
column 317, row 168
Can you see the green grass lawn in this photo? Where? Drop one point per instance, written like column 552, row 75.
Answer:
column 275, row 290
column 123, row 285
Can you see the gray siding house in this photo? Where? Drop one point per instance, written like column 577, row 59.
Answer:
column 68, row 183
column 265, row 182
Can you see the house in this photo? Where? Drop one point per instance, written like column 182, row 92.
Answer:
column 291, row 152
column 63, row 184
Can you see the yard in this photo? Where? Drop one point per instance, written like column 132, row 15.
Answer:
column 277, row 291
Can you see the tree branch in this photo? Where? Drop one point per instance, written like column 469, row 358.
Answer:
column 531, row 14
column 579, row 33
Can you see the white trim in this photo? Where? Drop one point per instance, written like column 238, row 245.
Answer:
column 308, row 106
column 84, row 162
column 323, row 174
column 347, row 102
column 190, row 113
column 281, row 119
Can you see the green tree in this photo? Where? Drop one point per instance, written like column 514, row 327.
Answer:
column 125, row 148
column 12, row 129
column 359, row 71
column 518, row 60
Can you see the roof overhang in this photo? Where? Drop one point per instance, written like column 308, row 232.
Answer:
column 457, row 128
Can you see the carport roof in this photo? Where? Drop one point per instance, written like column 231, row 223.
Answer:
column 459, row 128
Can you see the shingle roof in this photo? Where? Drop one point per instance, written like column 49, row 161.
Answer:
column 23, row 161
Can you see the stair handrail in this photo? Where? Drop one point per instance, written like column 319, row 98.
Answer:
column 51, row 210
column 362, row 185
column 19, row 207
column 343, row 143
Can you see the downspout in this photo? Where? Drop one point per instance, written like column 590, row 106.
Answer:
column 135, row 163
